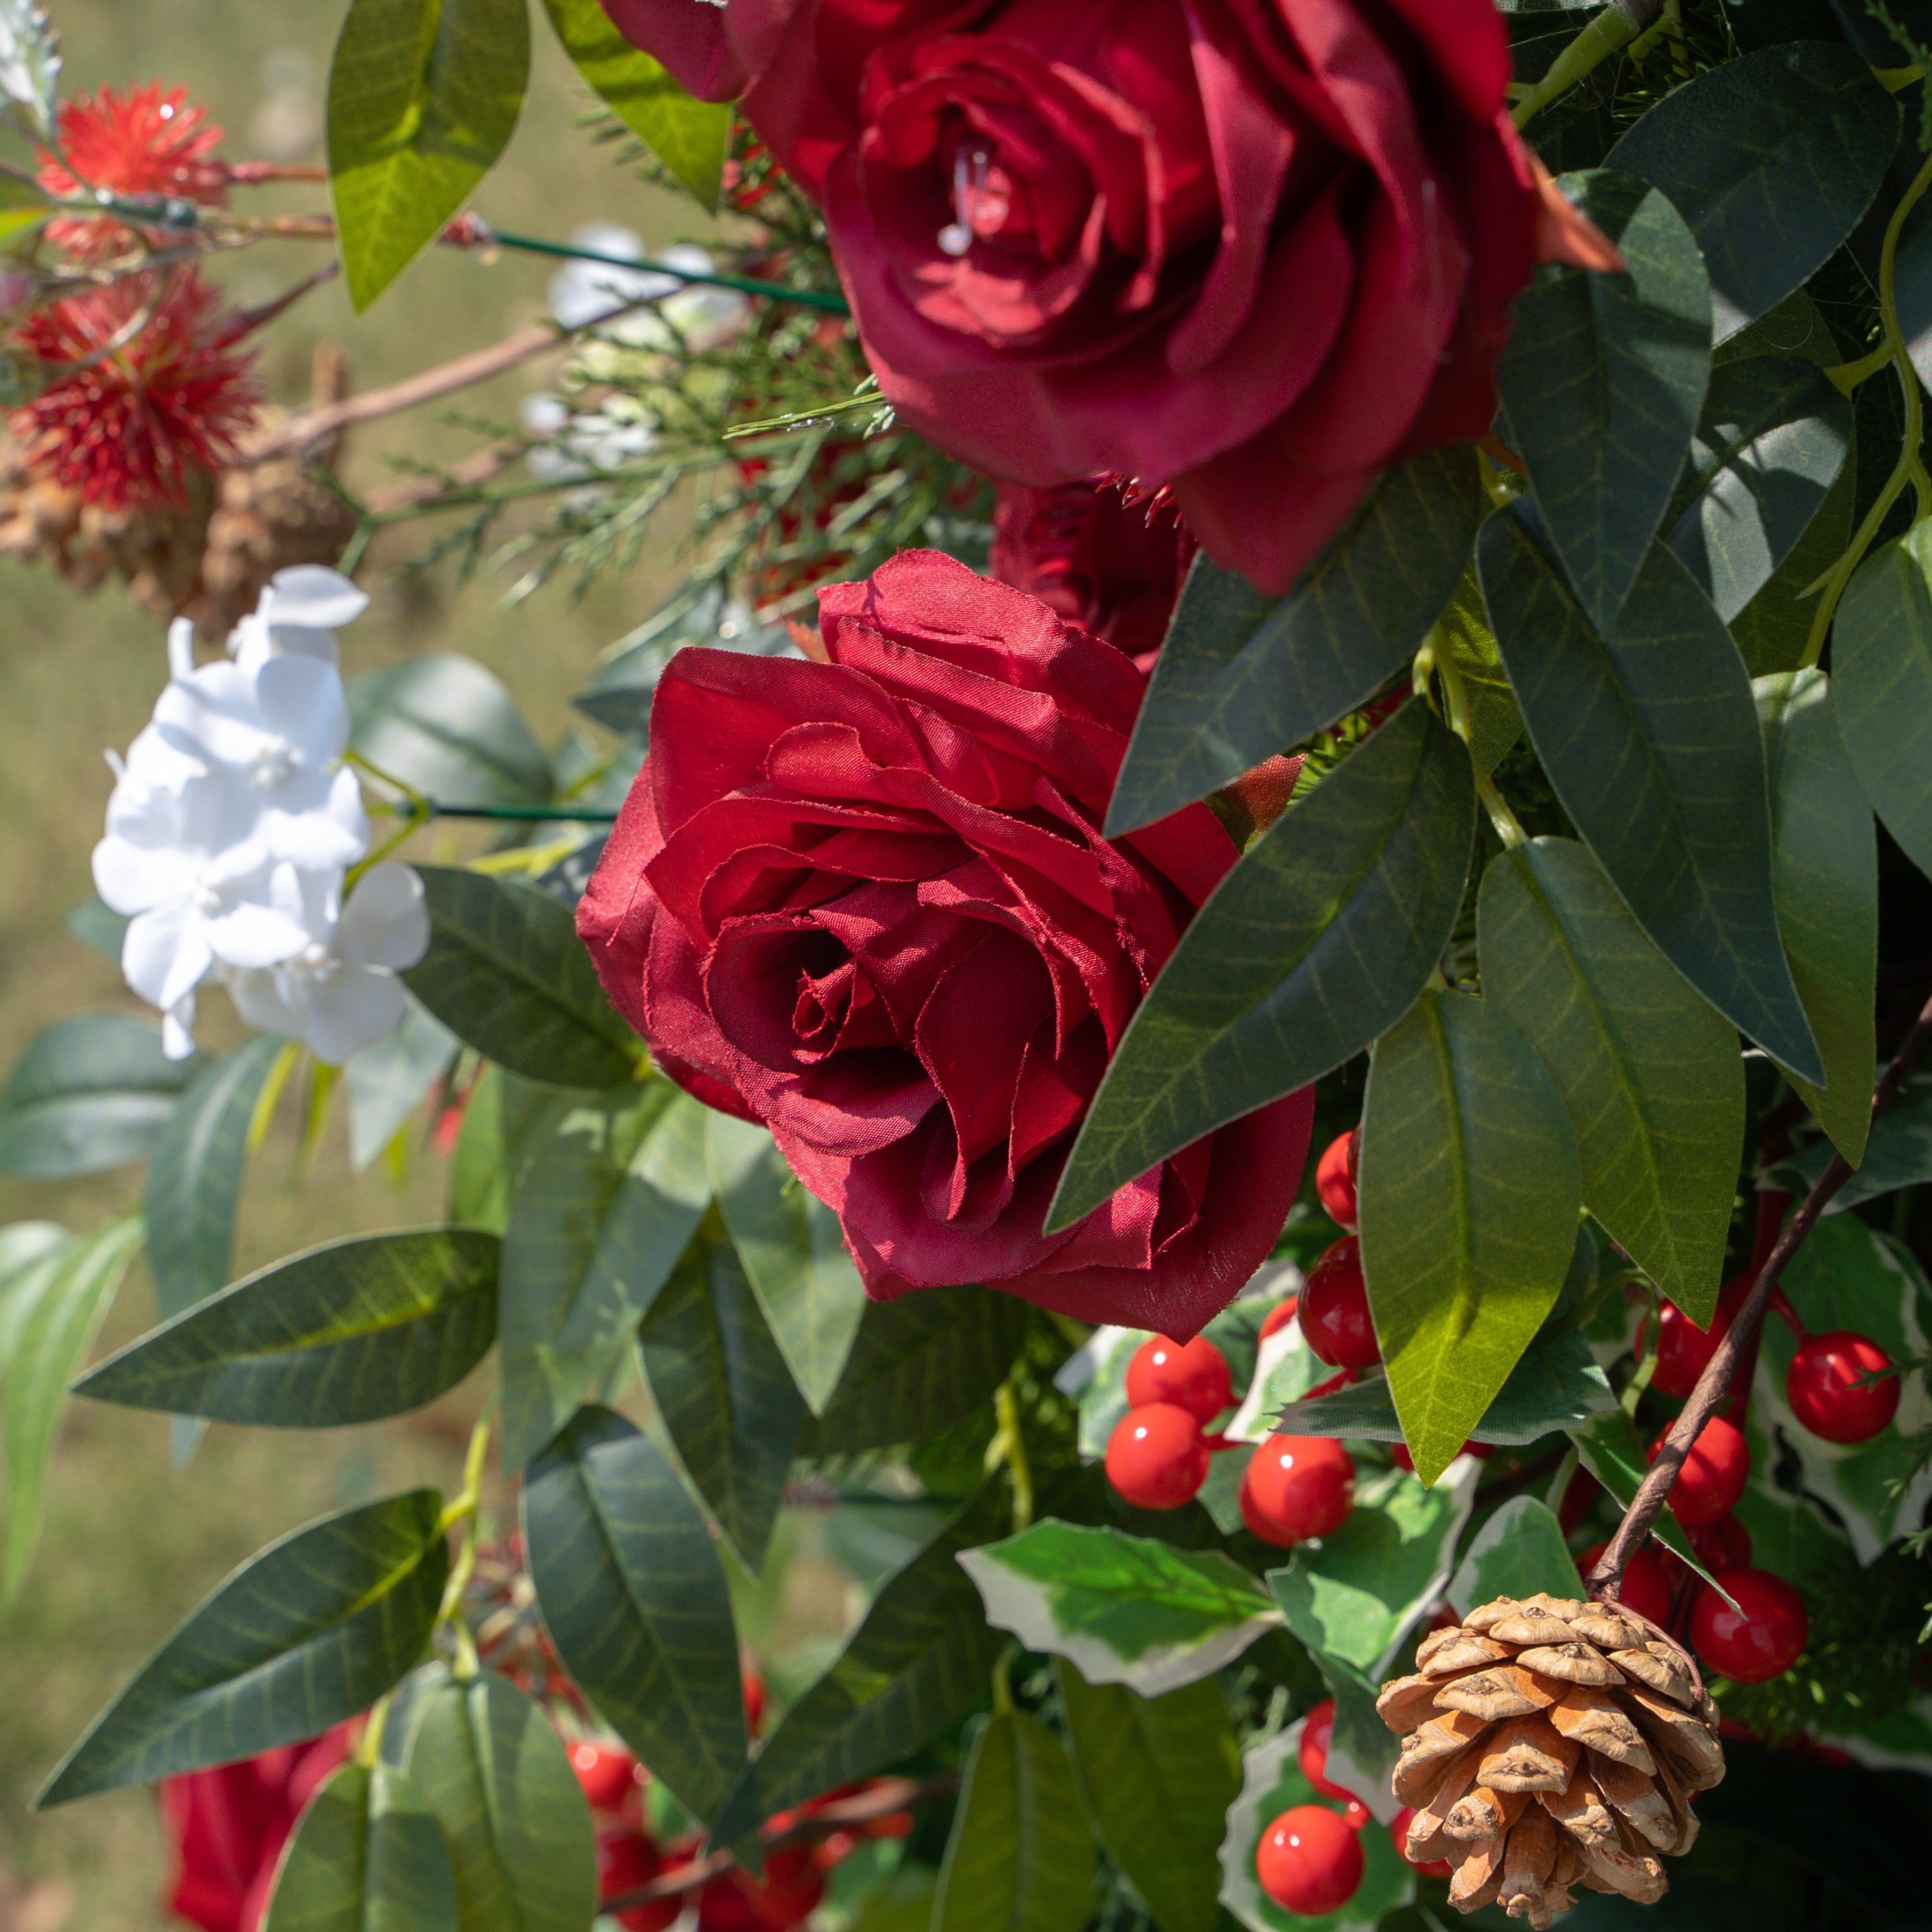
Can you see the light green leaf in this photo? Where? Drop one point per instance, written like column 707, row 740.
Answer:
column 1495, row 722
column 451, row 728
column 423, row 96
column 24, row 205
column 1520, row 1550
column 387, row 1081
column 30, row 62
column 24, row 1247
column 367, row 1857
column 90, row 1092
column 308, row 1631
column 498, row 1118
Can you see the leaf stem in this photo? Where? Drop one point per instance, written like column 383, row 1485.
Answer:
column 1009, row 1446
column 461, row 1512
column 1608, row 33
column 369, row 1746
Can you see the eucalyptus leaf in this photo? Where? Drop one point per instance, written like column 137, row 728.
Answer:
column 366, row 1857
column 450, row 727
column 91, row 1092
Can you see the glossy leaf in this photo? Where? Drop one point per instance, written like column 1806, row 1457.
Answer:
column 610, row 1192
column 367, row 1857
column 727, row 1400
column 1897, row 1154
column 90, row 1092
column 507, row 973
column 1469, row 1193
column 1158, row 1775
column 1772, row 159
column 1520, row 1550
column 499, row 1117
column 1020, row 1857
column 1651, row 740
column 388, row 1080
column 494, row 1774
column 308, row 1631
column 1242, row 676
column 423, row 95
column 1650, row 1075
column 355, row 1331
column 1266, row 990
column 447, row 726
column 1602, row 384
column 1495, row 722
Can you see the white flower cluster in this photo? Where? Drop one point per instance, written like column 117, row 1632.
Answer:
column 231, row 828
column 580, row 291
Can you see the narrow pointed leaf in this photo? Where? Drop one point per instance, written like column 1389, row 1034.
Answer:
column 1267, row 989
column 632, row 1591
column 91, row 1093
column 1609, row 1447
column 1649, row 735
column 1470, row 1193
column 26, row 1247
column 309, row 1631
column 366, row 1857
column 501, row 1112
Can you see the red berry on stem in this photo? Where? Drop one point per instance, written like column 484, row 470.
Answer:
column 1712, row 1478
column 1317, row 1729
column 1296, row 1487
column 1334, row 1183
column 1398, row 1838
column 607, row 1773
column 626, row 1859
column 1761, row 1638
column 1646, row 1586
column 1335, row 1309
column 1193, row 1376
column 1156, row 1459
column 1308, row 1862
column 1725, row 1544
column 1280, row 1316
column 1825, row 1387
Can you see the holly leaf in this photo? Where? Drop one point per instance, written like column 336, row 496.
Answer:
column 366, row 1857
column 91, row 1092
column 1520, row 1550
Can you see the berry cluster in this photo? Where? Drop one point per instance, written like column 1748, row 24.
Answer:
column 1309, row 1859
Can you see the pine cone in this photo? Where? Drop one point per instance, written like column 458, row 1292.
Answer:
column 1549, row 1743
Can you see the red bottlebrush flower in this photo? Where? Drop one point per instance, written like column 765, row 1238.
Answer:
column 143, row 142
column 134, row 418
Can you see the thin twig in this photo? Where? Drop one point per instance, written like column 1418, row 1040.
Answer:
column 1714, row 1385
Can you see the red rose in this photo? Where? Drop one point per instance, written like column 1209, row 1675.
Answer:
column 1258, row 250
column 867, row 902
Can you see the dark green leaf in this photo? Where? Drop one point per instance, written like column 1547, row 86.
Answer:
column 506, row 972
column 1609, row 1447
column 1267, row 990
column 1602, row 383
column 634, row 1596
column 90, row 1092
column 1898, row 1154
column 389, row 1080
column 1242, row 676
column 1651, row 1076
column 1158, row 1775
column 423, row 95
column 1650, row 738
column 611, row 1191
column 1469, row 1199
column 1772, row 159
column 1020, row 1857
column 99, row 928
column 498, row 1118
column 309, row 1631
column 370, row 1326
column 445, row 725
column 726, row 1397
column 367, row 1857
column 689, row 136
column 495, row 1778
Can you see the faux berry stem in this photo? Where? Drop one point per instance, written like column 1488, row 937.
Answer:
column 1714, row 1385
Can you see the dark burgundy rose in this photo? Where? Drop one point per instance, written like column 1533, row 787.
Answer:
column 866, row 902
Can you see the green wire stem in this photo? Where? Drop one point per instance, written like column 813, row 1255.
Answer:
column 748, row 285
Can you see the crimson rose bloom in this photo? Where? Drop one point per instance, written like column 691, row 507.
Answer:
column 867, row 902
column 1256, row 249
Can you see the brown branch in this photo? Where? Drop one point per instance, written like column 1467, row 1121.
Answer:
column 1714, row 1385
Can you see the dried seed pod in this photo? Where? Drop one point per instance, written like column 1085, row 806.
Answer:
column 1565, row 1607
column 1406, row 1701
column 1563, row 1874
column 1532, row 1623
column 1660, row 1667
column 1580, row 1809
column 1504, row 1691
column 1427, row 1751
column 1680, row 1808
column 1528, row 1754
column 1479, row 1620
column 1575, row 1663
column 1635, row 1875
column 1461, row 1652
column 1609, row 1630
column 1596, row 1720
column 1479, row 1877
column 1690, row 1744
column 1484, row 1814
column 1528, row 1858
column 1636, row 1799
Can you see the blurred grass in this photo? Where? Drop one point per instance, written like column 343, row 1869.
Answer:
column 129, row 1544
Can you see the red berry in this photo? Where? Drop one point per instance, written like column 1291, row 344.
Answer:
column 1308, row 1862
column 1713, row 1475
column 753, row 1688
column 1334, row 1184
column 1763, row 1638
column 608, row 1773
column 1646, row 1587
column 1156, row 1458
column 1725, row 1544
column 1193, row 1376
column 1335, row 1309
column 1824, row 1388
column 1296, row 1487
column 626, row 1859
column 1398, row 1838
column 1317, row 1729
column 1280, row 1316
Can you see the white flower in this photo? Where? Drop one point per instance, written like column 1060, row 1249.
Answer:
column 297, row 615
column 580, row 291
column 340, row 992
column 617, row 433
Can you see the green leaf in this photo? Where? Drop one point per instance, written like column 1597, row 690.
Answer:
column 1602, row 384
column 90, row 1092
column 506, row 972
column 1898, row 1154
column 728, row 1401
column 495, row 1776
column 1882, row 674
column 1125, row 1609
column 1610, row 1448
column 1469, row 1193
column 1020, row 1857
column 1520, row 1550
column 1650, row 739
column 423, row 96
column 56, row 1309
column 99, row 928
column 632, row 1591
column 1242, row 676
column 1825, row 867
column 689, row 136
column 388, row 1081
column 1772, row 159
column 1495, row 722
column 449, row 727
column 498, row 1118
column 355, row 1331
column 916, row 1666
column 610, row 1192
column 1266, row 990
column 25, row 1246
column 1158, row 1775
column 308, row 1631
column 1650, row 1075
column 195, row 1179
column 793, row 1251
column 367, row 1857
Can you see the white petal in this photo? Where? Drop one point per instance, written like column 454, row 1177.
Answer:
column 180, row 647
column 134, row 878
column 253, row 934
column 178, row 1028
column 353, row 1008
column 258, row 1001
column 164, row 954
column 302, row 700
column 311, row 596
column 384, row 922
